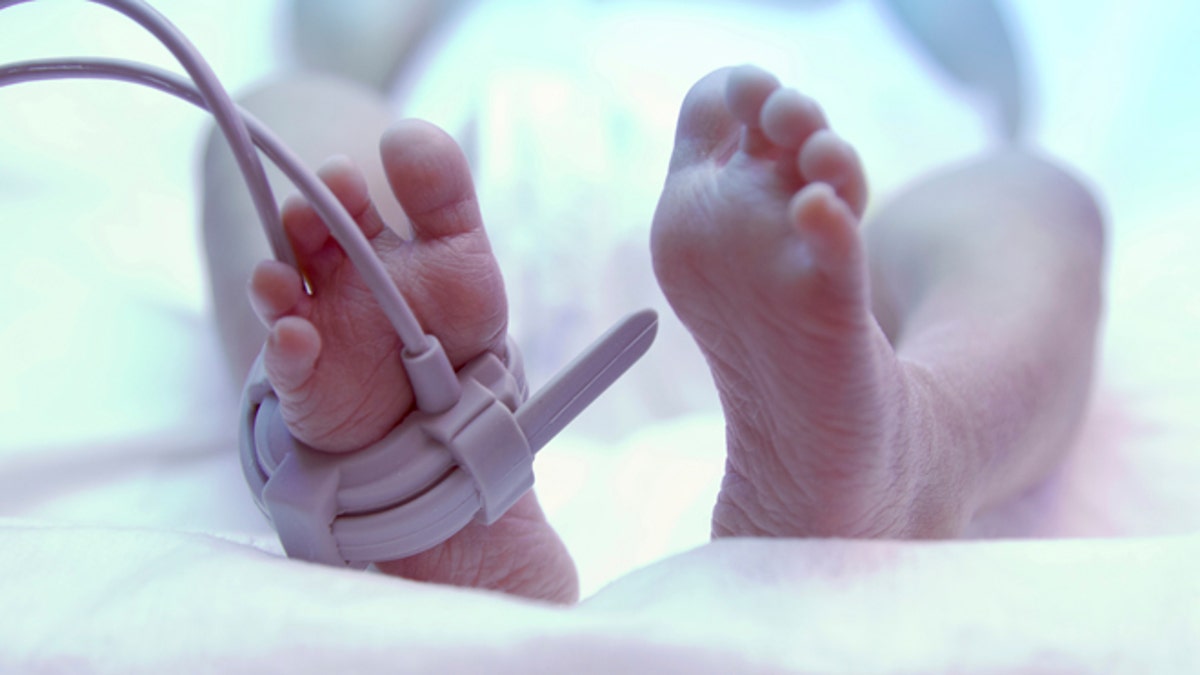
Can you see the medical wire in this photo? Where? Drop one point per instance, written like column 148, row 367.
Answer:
column 436, row 382
column 399, row 496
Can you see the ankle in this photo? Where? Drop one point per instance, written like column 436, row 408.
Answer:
column 934, row 455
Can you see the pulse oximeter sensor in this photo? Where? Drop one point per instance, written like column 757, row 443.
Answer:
column 464, row 453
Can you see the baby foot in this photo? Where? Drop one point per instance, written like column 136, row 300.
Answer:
column 757, row 248
column 334, row 359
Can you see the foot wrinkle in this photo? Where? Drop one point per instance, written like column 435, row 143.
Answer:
column 452, row 211
column 743, row 509
column 357, row 390
column 792, row 344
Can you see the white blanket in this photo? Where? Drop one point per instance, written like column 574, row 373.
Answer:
column 129, row 543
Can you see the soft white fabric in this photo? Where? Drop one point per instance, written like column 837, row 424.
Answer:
column 130, row 544
column 121, row 600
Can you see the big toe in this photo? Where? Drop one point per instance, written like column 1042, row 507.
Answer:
column 706, row 126
column 431, row 178
column 747, row 91
column 455, row 286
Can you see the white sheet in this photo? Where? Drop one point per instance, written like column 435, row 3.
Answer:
column 126, row 540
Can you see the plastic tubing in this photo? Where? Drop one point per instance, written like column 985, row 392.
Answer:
column 223, row 110
column 127, row 71
column 243, row 132
column 227, row 116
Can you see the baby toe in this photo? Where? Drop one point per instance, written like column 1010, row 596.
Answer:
column 789, row 118
column 431, row 178
column 827, row 226
column 276, row 289
column 290, row 357
column 826, row 158
column 304, row 228
column 318, row 254
column 747, row 90
column 349, row 186
column 705, row 126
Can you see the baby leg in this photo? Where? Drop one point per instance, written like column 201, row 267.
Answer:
column 839, row 424
column 323, row 346
column 334, row 359
column 987, row 278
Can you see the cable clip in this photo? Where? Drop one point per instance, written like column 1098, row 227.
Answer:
column 435, row 472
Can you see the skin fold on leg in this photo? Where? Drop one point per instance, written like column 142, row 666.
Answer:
column 987, row 277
